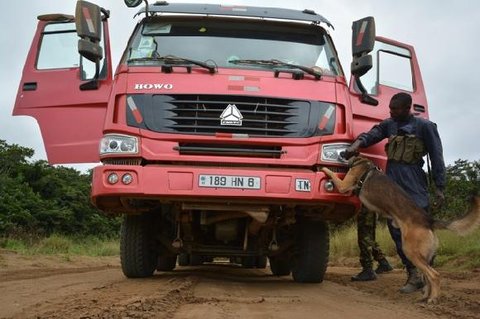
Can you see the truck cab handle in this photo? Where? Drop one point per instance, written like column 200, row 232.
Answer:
column 29, row 86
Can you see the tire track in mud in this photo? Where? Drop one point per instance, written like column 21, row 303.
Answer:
column 221, row 292
column 122, row 300
column 158, row 307
column 137, row 298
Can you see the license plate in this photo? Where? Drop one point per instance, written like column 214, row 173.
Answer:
column 226, row 181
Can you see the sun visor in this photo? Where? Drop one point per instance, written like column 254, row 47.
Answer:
column 56, row 17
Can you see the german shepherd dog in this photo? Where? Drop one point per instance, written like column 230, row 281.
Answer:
column 380, row 194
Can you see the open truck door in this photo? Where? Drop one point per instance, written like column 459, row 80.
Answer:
column 381, row 68
column 67, row 93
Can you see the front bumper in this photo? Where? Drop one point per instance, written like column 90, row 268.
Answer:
column 181, row 184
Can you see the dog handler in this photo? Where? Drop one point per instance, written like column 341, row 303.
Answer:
column 409, row 139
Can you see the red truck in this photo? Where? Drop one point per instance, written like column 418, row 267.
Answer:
column 213, row 130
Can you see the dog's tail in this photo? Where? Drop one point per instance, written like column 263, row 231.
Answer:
column 465, row 225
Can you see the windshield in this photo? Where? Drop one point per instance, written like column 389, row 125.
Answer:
column 223, row 41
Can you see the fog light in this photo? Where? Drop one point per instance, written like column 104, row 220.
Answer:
column 127, row 179
column 329, row 186
column 112, row 178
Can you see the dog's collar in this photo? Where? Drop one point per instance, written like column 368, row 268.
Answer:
column 362, row 180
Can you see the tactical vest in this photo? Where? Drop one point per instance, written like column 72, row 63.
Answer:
column 408, row 148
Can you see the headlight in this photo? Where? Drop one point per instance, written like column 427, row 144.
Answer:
column 118, row 144
column 331, row 152
column 112, row 178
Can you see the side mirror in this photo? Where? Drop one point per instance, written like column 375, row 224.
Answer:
column 88, row 21
column 89, row 50
column 132, row 3
column 363, row 36
column 363, row 41
column 361, row 65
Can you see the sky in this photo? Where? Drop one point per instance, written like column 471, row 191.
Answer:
column 443, row 32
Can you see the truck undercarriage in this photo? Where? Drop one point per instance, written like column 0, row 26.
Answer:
column 292, row 240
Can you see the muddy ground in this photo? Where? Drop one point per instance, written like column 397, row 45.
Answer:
column 80, row 287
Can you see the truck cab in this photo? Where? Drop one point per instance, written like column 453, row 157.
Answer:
column 213, row 129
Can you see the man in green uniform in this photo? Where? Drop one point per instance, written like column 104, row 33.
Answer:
column 369, row 248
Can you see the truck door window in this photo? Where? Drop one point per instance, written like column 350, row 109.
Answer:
column 58, row 47
column 395, row 71
column 58, row 50
column 391, row 67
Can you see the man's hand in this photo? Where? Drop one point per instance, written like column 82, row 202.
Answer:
column 352, row 150
column 439, row 199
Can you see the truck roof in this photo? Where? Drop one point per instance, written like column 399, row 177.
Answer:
column 239, row 11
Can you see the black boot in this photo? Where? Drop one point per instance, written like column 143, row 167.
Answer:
column 383, row 266
column 414, row 282
column 367, row 274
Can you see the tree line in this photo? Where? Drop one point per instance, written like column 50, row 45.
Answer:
column 37, row 198
column 463, row 181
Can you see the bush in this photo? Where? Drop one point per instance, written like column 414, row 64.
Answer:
column 37, row 199
column 463, row 180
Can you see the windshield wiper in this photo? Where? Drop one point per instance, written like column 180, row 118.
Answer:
column 172, row 60
column 275, row 62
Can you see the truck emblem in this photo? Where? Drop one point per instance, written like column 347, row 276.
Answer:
column 231, row 116
column 153, row 86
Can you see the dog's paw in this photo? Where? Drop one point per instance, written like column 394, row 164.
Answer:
column 428, row 301
column 432, row 301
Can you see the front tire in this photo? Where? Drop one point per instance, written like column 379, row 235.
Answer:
column 312, row 250
column 137, row 249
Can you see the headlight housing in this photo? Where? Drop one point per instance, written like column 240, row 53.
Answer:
column 331, row 153
column 118, row 144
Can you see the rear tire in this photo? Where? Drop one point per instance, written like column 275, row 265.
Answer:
column 312, row 250
column 137, row 251
column 184, row 259
column 196, row 260
column 166, row 262
column 208, row 259
column 249, row 262
column 280, row 266
column 261, row 262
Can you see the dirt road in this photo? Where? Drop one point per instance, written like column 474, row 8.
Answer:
column 34, row 287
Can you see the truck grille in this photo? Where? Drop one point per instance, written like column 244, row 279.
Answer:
column 229, row 150
column 202, row 114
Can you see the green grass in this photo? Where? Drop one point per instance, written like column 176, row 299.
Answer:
column 462, row 253
column 454, row 252
column 343, row 242
column 58, row 244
